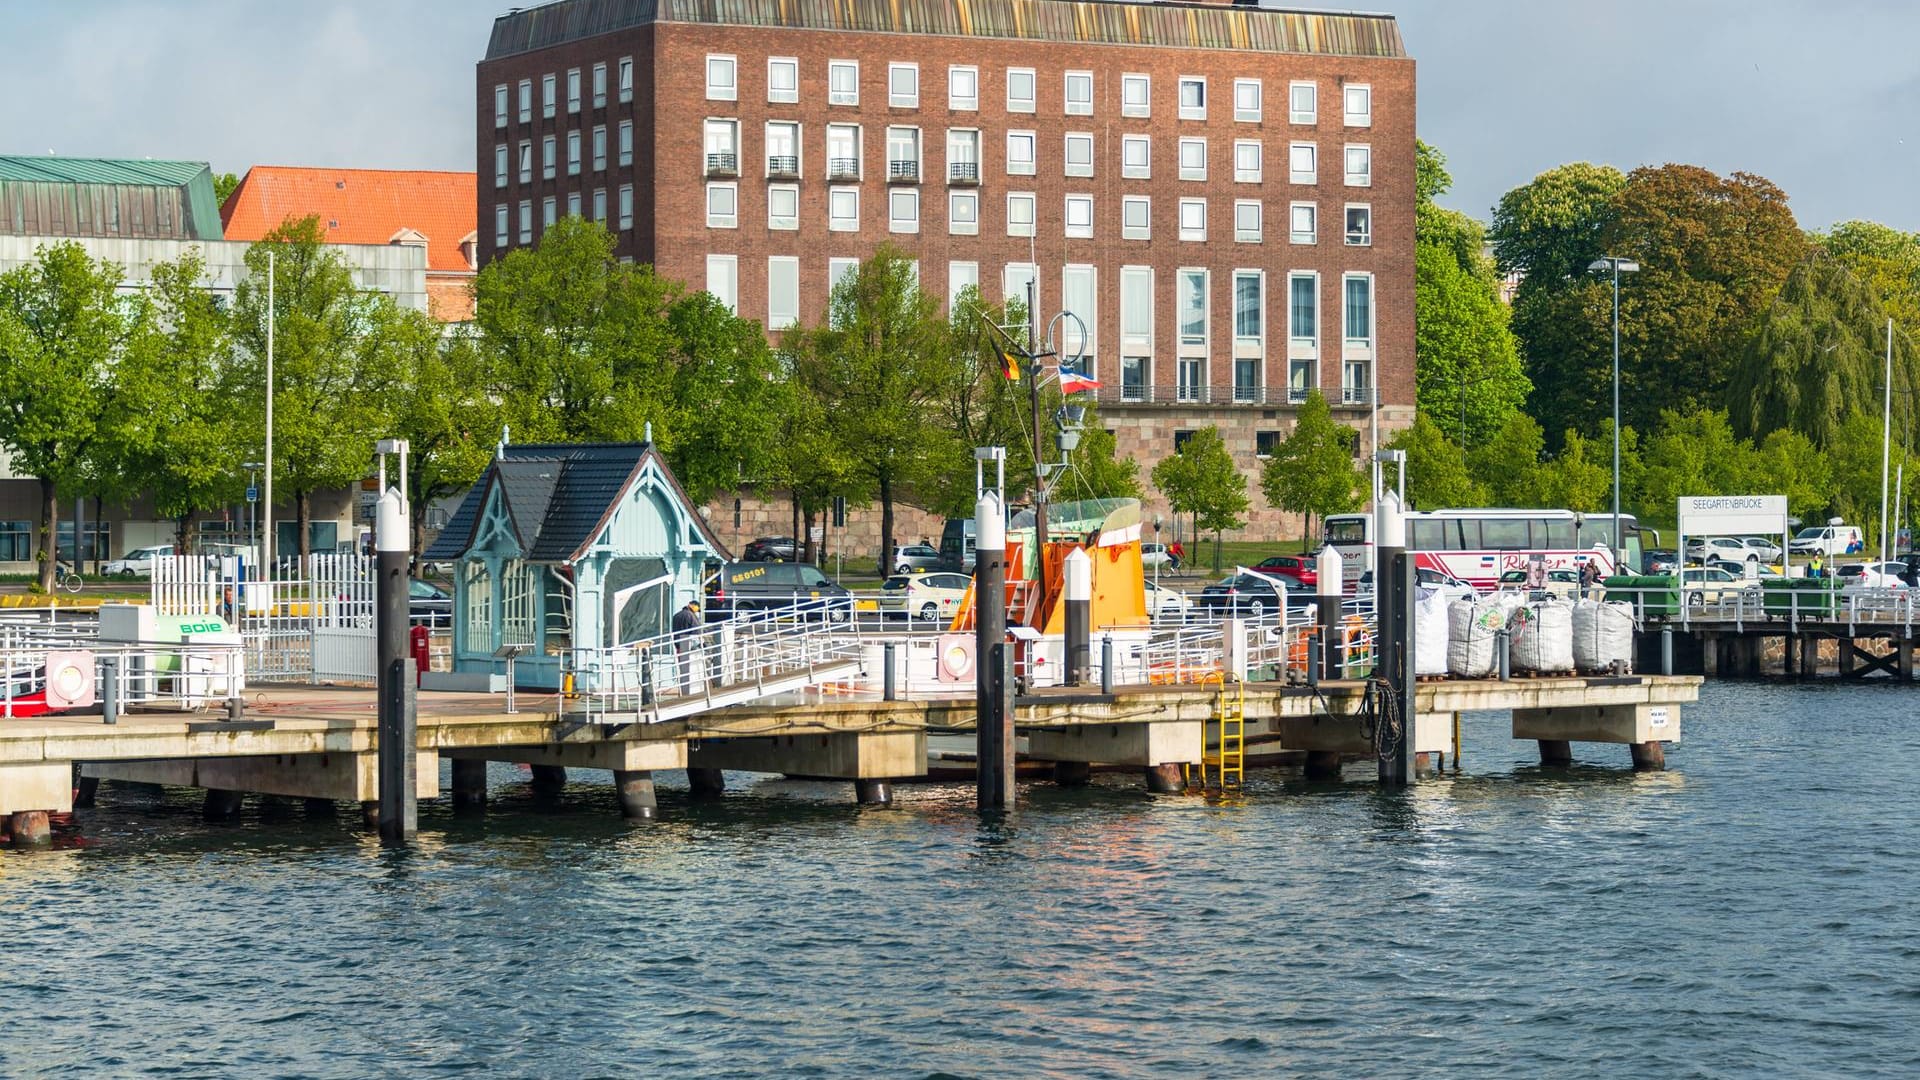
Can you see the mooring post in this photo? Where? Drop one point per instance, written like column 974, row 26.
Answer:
column 1503, row 654
column 706, row 783
column 872, row 793
column 110, row 689
column 1331, row 583
column 399, row 809
column 1106, row 663
column 1393, row 612
column 637, row 799
column 888, row 689
column 1666, row 650
column 993, row 721
column 30, row 828
column 1078, row 574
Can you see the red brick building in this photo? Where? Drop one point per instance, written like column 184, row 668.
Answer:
column 1223, row 194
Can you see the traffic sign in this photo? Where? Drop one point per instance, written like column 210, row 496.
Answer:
column 253, row 494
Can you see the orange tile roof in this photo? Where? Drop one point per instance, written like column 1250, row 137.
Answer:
column 359, row 206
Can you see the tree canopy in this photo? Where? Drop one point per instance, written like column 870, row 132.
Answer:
column 1312, row 471
column 1201, row 479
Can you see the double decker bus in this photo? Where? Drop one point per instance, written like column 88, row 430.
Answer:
column 1478, row 545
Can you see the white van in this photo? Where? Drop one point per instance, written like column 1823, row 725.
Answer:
column 1829, row 540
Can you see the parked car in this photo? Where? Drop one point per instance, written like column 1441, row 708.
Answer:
column 1759, row 547
column 136, row 563
column 428, row 605
column 1152, row 555
column 1446, row 584
column 1829, row 540
column 1710, row 585
column 771, row 549
column 1873, row 575
column 1561, row 583
column 1300, row 568
column 927, row 597
column 761, row 586
column 1706, row 549
column 1660, row 560
column 915, row 558
column 1166, row 603
column 1253, row 596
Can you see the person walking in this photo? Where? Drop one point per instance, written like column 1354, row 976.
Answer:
column 686, row 642
column 1816, row 569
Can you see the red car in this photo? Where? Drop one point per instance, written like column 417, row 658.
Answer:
column 1298, row 567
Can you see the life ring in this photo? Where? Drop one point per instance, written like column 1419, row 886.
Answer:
column 956, row 657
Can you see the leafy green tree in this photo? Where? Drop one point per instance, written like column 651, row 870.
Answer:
column 728, row 395
column 1508, row 465
column 1887, row 259
column 1695, row 453
column 1816, row 355
column 1437, row 473
column 1550, row 228
column 1094, row 470
column 1788, row 463
column 1854, row 456
column 1469, row 370
column 1312, row 470
column 440, row 406
column 335, row 363
column 63, row 332
column 1580, row 476
column 223, row 186
column 1201, row 479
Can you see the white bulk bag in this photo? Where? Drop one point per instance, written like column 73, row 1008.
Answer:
column 1542, row 636
column 1431, row 630
column 1471, row 625
column 1602, row 633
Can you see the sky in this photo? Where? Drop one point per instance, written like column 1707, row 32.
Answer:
column 1820, row 96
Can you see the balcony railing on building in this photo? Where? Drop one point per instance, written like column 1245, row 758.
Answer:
column 963, row 172
column 1127, row 391
column 1358, row 395
column 903, row 172
column 783, row 166
column 723, row 163
column 843, row 168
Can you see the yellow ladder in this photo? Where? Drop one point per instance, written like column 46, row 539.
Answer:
column 1223, row 749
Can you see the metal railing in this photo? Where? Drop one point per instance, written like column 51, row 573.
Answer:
column 1125, row 392
column 1734, row 607
column 843, row 168
column 1358, row 395
column 963, row 172
column 783, row 165
column 162, row 674
column 903, row 172
column 726, row 163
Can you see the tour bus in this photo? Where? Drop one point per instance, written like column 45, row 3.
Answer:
column 1479, row 545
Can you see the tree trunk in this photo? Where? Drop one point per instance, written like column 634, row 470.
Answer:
column 1216, row 551
column 301, row 509
column 100, row 550
column 795, row 499
column 49, row 533
column 803, row 543
column 180, row 532
column 886, row 524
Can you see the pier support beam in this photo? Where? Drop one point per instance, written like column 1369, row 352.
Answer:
column 1905, row 648
column 1809, row 656
column 1556, row 752
column 707, row 783
column 86, row 792
column 637, row 799
column 1846, row 657
column 469, row 783
column 873, row 793
column 1072, row 773
column 549, row 779
column 1423, row 763
column 1165, row 779
column 322, row 809
column 221, row 804
column 1323, row 765
column 29, row 828
column 370, row 814
column 1649, row 756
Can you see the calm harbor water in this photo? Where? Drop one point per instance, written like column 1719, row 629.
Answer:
column 1749, row 912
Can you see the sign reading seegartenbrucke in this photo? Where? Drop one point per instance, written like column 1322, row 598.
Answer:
column 1723, row 515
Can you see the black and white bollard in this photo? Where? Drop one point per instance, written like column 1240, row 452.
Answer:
column 399, row 812
column 1393, row 654
column 993, row 718
column 1078, row 574
column 1329, row 570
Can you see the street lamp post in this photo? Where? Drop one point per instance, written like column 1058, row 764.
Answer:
column 1618, row 266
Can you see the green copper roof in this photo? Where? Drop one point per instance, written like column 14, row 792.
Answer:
column 1106, row 22
column 57, row 196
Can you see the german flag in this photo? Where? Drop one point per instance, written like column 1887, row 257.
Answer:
column 1009, row 357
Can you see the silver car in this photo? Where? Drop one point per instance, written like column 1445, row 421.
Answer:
column 915, row 558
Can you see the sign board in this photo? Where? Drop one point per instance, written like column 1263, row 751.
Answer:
column 253, row 494
column 1732, row 515
column 817, row 533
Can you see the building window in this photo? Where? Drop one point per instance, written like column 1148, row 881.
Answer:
column 1302, row 103
column 783, row 207
column 500, row 106
column 723, row 280
column 1020, row 90
column 903, row 154
column 783, row 291
column 1359, row 102
column 1020, row 206
column 599, row 86
column 961, row 276
column 1016, row 280
column 1079, row 93
column 1193, row 219
column 1136, row 217
column 526, row 221
column 549, row 207
column 723, row 206
column 1303, row 223
column 1264, row 443
column 963, row 156
column 573, row 153
column 500, row 165
column 1303, row 314
column 903, row 210
column 600, row 205
column 1246, row 161
column 903, row 86
column 783, row 79
column 1079, row 154
column 1193, row 159
column 783, row 149
column 1020, row 153
column 1136, row 94
column 721, row 83
column 1079, row 218
column 500, row 225
column 573, row 90
column 843, row 82
column 1246, row 100
column 626, row 142
column 549, row 151
column 1079, row 294
column 1246, row 221
column 526, row 100
column 526, row 161
column 963, row 213
column 843, row 209
column 1249, row 333
column 839, row 270
column 1136, row 332
column 1193, row 97
column 1301, row 163
column 1359, row 309
column 1359, row 166
column 573, row 204
column 963, row 89
column 1136, row 157
column 1359, row 225
column 625, row 205
column 1190, row 299
column 624, row 79
column 843, row 151
column 722, row 143
column 549, row 90
column 600, row 148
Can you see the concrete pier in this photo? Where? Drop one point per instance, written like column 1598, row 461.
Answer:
column 549, row 779
column 29, row 828
column 872, row 793
column 706, row 783
column 221, row 805
column 469, row 783
column 637, row 798
column 1557, row 752
column 1165, row 779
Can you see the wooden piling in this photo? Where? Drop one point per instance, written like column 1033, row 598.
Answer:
column 637, row 799
column 1557, row 752
column 1165, row 779
column 29, row 828
column 1649, row 756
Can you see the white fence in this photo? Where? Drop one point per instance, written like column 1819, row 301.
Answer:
column 317, row 624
